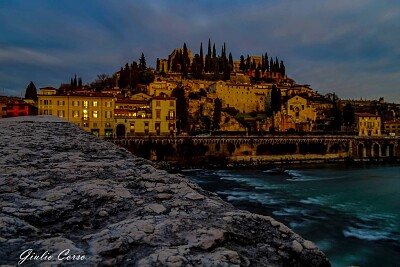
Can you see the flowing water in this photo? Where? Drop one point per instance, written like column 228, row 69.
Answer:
column 352, row 213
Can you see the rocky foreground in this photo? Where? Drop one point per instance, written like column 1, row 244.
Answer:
column 70, row 199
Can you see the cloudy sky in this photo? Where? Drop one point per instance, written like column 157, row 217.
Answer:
column 351, row 47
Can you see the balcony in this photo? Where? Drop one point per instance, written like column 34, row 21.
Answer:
column 168, row 118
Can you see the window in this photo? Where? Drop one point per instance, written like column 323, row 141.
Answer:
column 171, row 114
column 85, row 124
column 158, row 114
column 95, row 124
column 108, row 114
column 75, row 113
column 75, row 103
column 95, row 113
column 46, row 102
column 85, row 104
column 302, row 107
column 94, row 103
column 60, row 113
column 60, row 103
column 108, row 125
column 158, row 104
column 132, row 129
column 107, row 104
column 171, row 103
column 85, row 114
column 146, row 124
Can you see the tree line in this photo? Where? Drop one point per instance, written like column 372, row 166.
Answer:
column 217, row 66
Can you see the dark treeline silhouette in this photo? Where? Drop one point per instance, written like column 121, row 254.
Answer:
column 213, row 66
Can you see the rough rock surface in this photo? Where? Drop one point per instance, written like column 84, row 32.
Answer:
column 62, row 188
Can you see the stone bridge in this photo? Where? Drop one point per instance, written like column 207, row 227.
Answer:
column 356, row 147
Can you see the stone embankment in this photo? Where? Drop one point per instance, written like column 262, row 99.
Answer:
column 72, row 199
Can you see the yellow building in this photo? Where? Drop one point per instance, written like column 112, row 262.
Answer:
column 157, row 88
column 244, row 97
column 368, row 124
column 92, row 111
column 156, row 116
column 392, row 127
column 301, row 112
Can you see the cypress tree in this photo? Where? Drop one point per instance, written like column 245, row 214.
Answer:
column 142, row 63
column 230, row 61
column 181, row 107
column 214, row 53
column 31, row 92
column 271, row 65
column 276, row 99
column 80, row 83
column 282, row 69
column 75, row 82
column 185, row 61
column 217, row 113
column 158, row 65
column 266, row 62
column 262, row 64
column 201, row 57
column 242, row 65
column 248, row 63
column 207, row 67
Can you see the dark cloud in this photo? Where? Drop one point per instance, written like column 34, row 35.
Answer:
column 348, row 47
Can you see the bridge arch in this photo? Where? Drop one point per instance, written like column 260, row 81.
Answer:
column 120, row 131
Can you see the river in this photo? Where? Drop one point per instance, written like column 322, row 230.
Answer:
column 352, row 213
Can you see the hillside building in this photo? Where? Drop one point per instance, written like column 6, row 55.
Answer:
column 368, row 124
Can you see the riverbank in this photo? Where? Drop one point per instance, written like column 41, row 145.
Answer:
column 64, row 191
column 254, row 163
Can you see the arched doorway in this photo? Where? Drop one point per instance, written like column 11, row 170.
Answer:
column 120, row 131
column 360, row 150
column 376, row 150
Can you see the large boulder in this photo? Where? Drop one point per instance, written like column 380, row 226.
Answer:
column 70, row 198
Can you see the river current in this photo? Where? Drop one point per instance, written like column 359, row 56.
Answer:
column 352, row 213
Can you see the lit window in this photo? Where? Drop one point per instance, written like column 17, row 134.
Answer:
column 94, row 103
column 94, row 113
column 85, row 104
column 75, row 114
column 60, row 113
column 85, row 124
column 158, row 114
column 85, row 114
